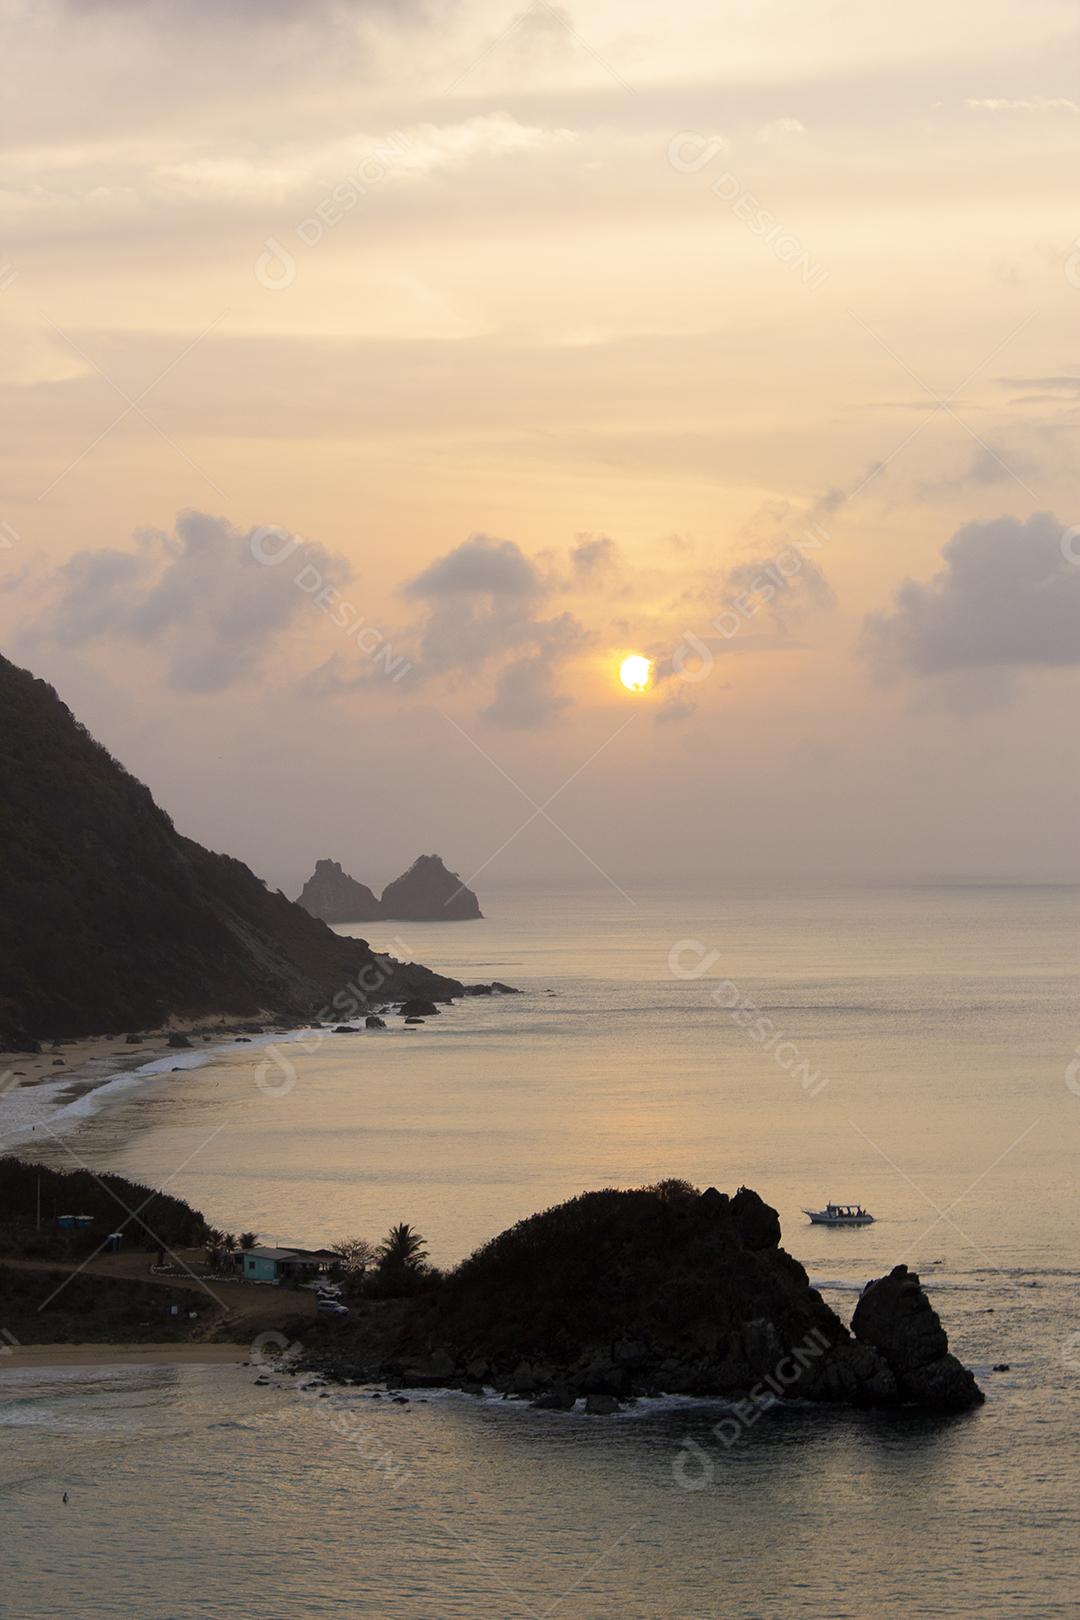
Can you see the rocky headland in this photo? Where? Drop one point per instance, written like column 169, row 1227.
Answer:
column 661, row 1290
column 427, row 892
column 111, row 920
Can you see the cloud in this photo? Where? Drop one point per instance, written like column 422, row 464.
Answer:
column 482, row 617
column 362, row 161
column 199, row 595
column 479, row 566
column 526, row 695
column 1007, row 597
column 990, row 464
column 677, row 706
column 1022, row 104
column 593, row 557
column 788, row 582
column 780, row 129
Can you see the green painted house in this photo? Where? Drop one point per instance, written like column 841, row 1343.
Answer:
column 284, row 1265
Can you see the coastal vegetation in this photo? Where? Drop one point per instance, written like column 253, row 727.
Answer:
column 616, row 1294
column 610, row 1295
column 33, row 1197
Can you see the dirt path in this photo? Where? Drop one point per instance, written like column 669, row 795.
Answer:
column 247, row 1308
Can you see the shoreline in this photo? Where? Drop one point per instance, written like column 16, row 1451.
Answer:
column 123, row 1355
column 37, row 1094
column 69, row 1081
column 129, row 1048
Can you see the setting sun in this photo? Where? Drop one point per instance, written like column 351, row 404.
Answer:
column 635, row 672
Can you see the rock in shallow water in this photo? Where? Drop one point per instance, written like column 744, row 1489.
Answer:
column 895, row 1318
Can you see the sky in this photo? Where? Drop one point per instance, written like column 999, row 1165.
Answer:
column 375, row 378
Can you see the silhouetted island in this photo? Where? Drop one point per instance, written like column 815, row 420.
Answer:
column 427, row 892
column 658, row 1290
column 110, row 920
column 334, row 897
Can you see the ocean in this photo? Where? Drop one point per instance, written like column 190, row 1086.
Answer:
column 913, row 1048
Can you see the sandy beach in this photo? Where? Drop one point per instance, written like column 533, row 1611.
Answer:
column 41, row 1091
column 123, row 1355
column 83, row 1060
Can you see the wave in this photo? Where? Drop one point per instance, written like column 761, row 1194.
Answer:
column 43, row 1107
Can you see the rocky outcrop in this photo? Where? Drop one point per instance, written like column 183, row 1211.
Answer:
column 428, row 892
column 659, row 1290
column 334, row 897
column 895, row 1318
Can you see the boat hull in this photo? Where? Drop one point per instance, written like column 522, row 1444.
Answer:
column 819, row 1219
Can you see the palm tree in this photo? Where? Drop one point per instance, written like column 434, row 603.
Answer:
column 248, row 1240
column 403, row 1249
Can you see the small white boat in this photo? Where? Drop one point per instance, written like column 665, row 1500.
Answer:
column 840, row 1215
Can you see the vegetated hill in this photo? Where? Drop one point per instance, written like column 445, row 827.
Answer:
column 144, row 1216
column 110, row 920
column 656, row 1290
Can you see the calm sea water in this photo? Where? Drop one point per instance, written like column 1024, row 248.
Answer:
column 915, row 1054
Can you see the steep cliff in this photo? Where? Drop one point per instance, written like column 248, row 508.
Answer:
column 111, row 920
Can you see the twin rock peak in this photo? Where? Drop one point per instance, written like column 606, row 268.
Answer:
column 427, row 892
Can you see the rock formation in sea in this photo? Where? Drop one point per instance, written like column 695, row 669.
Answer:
column 428, row 892
column 895, row 1317
column 110, row 920
column 657, row 1290
column 334, row 897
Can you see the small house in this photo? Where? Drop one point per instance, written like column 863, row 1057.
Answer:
column 76, row 1222
column 284, row 1265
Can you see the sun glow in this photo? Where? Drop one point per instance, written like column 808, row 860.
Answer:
column 635, row 672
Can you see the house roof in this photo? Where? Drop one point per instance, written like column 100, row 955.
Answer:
column 291, row 1254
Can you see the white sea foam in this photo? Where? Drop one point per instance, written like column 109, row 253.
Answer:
column 39, row 1110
